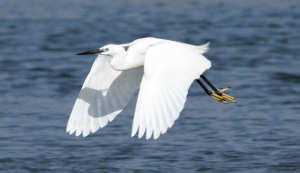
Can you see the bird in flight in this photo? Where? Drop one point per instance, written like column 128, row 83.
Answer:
column 162, row 70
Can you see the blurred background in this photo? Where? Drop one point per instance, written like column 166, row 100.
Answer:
column 254, row 50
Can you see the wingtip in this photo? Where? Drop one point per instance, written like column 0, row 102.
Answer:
column 70, row 131
column 147, row 138
column 78, row 133
column 155, row 137
column 132, row 135
column 140, row 136
column 148, row 134
column 85, row 134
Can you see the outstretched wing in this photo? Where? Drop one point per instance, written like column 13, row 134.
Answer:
column 169, row 70
column 103, row 96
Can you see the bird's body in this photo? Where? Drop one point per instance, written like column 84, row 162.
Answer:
column 163, row 69
column 136, row 53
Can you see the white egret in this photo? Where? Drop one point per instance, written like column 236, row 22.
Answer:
column 163, row 69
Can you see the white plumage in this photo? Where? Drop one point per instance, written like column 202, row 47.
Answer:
column 163, row 69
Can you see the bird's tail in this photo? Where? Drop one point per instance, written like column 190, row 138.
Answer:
column 203, row 48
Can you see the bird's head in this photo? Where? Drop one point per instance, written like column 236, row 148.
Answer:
column 108, row 50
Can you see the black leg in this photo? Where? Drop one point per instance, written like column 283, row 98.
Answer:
column 204, row 87
column 210, row 93
column 216, row 94
column 211, row 85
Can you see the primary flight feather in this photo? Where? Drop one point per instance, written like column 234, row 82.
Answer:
column 164, row 71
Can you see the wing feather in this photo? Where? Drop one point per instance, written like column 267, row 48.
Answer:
column 169, row 70
column 103, row 96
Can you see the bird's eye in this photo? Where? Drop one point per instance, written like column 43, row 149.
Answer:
column 105, row 49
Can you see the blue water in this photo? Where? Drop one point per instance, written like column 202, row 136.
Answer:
column 254, row 49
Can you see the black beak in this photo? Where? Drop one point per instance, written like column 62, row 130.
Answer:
column 97, row 51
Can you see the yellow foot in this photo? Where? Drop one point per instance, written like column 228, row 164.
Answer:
column 226, row 96
column 223, row 97
column 217, row 97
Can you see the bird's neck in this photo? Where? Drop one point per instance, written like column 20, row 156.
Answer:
column 126, row 61
column 118, row 61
